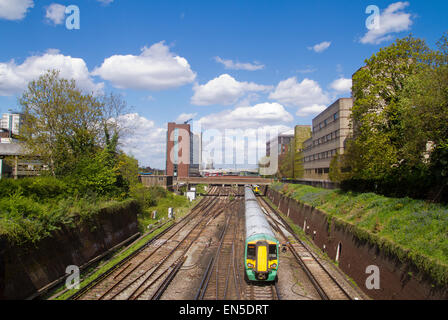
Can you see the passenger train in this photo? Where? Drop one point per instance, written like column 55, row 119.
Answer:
column 256, row 189
column 261, row 247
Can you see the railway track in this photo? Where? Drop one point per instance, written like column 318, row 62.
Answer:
column 147, row 274
column 326, row 284
column 262, row 292
column 224, row 277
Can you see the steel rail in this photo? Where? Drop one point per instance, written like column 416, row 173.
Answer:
column 299, row 259
column 297, row 256
column 120, row 263
column 160, row 263
column 202, row 291
column 204, row 225
column 160, row 291
column 97, row 281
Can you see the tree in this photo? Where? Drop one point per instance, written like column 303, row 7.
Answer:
column 377, row 117
column 75, row 133
column 424, row 101
column 60, row 122
column 400, row 115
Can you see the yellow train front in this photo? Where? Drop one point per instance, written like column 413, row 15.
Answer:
column 256, row 189
column 261, row 246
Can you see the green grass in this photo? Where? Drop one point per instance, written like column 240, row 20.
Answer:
column 25, row 221
column 412, row 230
column 181, row 206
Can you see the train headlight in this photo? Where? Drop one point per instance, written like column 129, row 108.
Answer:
column 274, row 265
column 250, row 265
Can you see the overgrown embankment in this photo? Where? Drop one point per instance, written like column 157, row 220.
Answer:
column 32, row 209
column 45, row 227
column 160, row 202
column 28, row 266
column 412, row 230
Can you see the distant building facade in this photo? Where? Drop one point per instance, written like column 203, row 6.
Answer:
column 10, row 127
column 284, row 143
column 183, row 151
column 301, row 134
column 330, row 130
column 165, row 182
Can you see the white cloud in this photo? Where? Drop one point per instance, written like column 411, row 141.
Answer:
column 156, row 68
column 144, row 140
column 260, row 115
column 55, row 13
column 185, row 117
column 303, row 94
column 342, row 85
column 14, row 77
column 320, row 47
column 310, row 110
column 224, row 90
column 392, row 20
column 14, row 9
column 230, row 64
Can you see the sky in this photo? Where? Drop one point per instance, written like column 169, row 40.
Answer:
column 234, row 64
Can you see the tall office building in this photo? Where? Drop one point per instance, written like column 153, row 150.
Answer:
column 183, row 151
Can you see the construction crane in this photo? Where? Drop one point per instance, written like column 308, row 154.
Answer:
column 186, row 122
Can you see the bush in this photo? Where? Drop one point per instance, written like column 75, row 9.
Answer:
column 38, row 188
column 23, row 220
column 95, row 175
column 143, row 196
column 416, row 187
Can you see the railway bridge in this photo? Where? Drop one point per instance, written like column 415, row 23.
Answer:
column 225, row 180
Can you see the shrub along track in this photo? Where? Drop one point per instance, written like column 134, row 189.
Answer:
column 137, row 276
column 326, row 284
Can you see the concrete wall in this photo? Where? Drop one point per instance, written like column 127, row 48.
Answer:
column 25, row 270
column 396, row 281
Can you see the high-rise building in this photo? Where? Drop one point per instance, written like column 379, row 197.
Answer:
column 11, row 123
column 183, row 155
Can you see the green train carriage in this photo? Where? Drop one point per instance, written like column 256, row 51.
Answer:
column 261, row 257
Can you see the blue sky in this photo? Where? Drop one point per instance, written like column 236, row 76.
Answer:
column 245, row 63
